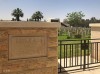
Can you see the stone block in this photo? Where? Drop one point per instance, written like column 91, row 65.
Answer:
column 52, row 52
column 3, row 47
column 24, row 46
column 51, row 62
column 3, row 35
column 52, row 32
column 3, row 55
column 28, row 48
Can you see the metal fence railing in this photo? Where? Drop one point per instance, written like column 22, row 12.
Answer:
column 80, row 54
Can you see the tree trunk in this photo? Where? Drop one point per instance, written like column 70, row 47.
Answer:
column 35, row 19
column 17, row 18
column 40, row 19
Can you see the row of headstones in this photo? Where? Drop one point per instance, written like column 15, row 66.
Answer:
column 72, row 31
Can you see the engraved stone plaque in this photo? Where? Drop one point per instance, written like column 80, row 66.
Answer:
column 27, row 47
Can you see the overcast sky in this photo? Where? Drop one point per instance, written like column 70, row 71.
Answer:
column 50, row 8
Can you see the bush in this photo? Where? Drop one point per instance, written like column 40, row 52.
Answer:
column 78, row 36
column 68, row 37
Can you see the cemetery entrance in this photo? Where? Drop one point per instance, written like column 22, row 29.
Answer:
column 78, row 54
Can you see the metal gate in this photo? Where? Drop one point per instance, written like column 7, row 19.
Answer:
column 78, row 54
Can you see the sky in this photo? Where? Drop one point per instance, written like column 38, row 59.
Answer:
column 50, row 8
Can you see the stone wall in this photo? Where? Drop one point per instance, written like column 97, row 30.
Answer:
column 30, row 65
column 95, row 34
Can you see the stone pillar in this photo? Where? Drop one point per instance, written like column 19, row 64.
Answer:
column 95, row 34
column 28, row 48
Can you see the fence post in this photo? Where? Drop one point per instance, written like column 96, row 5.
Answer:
column 84, row 65
column 60, row 55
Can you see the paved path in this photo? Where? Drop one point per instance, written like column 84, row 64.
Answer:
column 88, row 71
column 93, row 70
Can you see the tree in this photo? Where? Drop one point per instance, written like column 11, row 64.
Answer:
column 93, row 20
column 17, row 13
column 75, row 18
column 37, row 16
column 86, row 22
column 65, row 21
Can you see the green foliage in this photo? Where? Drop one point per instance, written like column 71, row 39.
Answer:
column 17, row 13
column 75, row 18
column 85, row 23
column 65, row 21
column 76, row 49
column 68, row 37
column 75, row 32
column 62, row 37
column 78, row 36
column 37, row 16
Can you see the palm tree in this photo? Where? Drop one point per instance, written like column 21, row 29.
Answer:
column 17, row 13
column 37, row 16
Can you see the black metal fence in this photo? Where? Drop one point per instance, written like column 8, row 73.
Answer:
column 78, row 54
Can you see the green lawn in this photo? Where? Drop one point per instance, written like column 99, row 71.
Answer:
column 62, row 37
column 76, row 51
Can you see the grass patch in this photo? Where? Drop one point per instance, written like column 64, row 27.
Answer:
column 63, row 37
column 71, row 52
column 71, row 49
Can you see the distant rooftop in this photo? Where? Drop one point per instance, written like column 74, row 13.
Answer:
column 53, row 20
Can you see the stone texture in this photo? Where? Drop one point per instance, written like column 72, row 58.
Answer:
column 52, row 61
column 52, row 32
column 3, row 47
column 24, row 46
column 95, row 34
column 38, row 65
column 52, row 52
